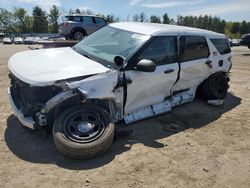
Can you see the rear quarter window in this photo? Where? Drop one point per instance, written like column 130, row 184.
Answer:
column 221, row 45
column 100, row 21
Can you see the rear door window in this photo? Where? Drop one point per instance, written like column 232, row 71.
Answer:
column 221, row 45
column 193, row 47
column 88, row 20
column 73, row 18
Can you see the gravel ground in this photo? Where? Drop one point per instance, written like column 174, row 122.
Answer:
column 195, row 145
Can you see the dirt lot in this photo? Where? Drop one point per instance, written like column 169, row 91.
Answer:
column 195, row 145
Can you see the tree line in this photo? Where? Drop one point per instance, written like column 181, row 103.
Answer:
column 18, row 21
column 42, row 22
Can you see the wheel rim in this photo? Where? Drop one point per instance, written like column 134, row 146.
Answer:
column 218, row 87
column 83, row 127
column 78, row 35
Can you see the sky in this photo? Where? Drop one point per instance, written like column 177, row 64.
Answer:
column 230, row 10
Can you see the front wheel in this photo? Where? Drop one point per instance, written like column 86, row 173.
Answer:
column 83, row 131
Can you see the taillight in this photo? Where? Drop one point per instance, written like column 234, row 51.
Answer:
column 66, row 24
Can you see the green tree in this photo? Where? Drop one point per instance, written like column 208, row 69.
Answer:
column 77, row 11
column 110, row 18
column 166, row 19
column 142, row 17
column 6, row 21
column 53, row 19
column 235, row 28
column 40, row 22
column 155, row 19
column 29, row 23
column 136, row 18
column 248, row 27
column 243, row 27
column 22, row 20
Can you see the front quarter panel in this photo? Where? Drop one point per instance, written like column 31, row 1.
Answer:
column 100, row 86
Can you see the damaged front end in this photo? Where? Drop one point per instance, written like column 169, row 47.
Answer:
column 33, row 104
column 38, row 106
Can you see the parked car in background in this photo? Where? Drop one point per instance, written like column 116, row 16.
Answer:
column 7, row 41
column 245, row 40
column 29, row 40
column 18, row 40
column 230, row 42
column 36, row 40
column 235, row 42
column 76, row 26
column 124, row 71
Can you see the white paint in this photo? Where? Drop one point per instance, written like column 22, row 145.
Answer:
column 44, row 67
column 163, row 29
column 149, row 94
column 100, row 86
column 159, row 108
column 149, row 88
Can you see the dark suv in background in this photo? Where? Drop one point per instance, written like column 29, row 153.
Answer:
column 245, row 40
column 76, row 26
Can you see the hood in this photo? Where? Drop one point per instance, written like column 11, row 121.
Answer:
column 45, row 67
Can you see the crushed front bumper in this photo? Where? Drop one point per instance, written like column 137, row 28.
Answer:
column 26, row 121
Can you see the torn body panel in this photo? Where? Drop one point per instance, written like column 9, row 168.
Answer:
column 103, row 87
column 160, row 108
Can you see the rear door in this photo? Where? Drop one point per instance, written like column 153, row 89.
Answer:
column 88, row 24
column 194, row 62
column 154, row 87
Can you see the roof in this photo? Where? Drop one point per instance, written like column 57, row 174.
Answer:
column 90, row 15
column 163, row 29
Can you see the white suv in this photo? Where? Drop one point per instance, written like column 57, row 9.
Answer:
column 127, row 71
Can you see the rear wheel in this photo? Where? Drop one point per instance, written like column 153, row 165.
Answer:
column 215, row 87
column 78, row 35
column 83, row 131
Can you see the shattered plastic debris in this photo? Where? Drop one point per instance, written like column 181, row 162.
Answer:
column 216, row 102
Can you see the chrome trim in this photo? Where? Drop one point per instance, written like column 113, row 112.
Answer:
column 26, row 121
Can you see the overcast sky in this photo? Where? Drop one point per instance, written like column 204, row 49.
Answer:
column 230, row 10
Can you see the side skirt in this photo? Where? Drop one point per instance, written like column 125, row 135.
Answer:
column 160, row 108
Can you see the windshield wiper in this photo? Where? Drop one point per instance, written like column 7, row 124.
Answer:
column 85, row 55
column 80, row 52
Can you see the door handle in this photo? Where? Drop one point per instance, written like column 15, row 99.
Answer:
column 168, row 71
column 208, row 63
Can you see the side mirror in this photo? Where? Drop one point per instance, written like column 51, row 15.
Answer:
column 146, row 65
column 118, row 61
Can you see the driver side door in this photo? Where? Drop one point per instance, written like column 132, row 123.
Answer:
column 148, row 88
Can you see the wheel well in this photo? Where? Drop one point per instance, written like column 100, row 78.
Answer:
column 199, row 88
column 105, row 104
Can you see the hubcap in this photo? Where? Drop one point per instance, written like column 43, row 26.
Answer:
column 83, row 127
column 78, row 35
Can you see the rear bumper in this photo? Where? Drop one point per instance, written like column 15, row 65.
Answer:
column 26, row 121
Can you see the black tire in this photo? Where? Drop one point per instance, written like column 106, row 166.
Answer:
column 81, row 146
column 78, row 35
column 215, row 87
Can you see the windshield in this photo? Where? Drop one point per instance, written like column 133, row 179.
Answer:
column 107, row 43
